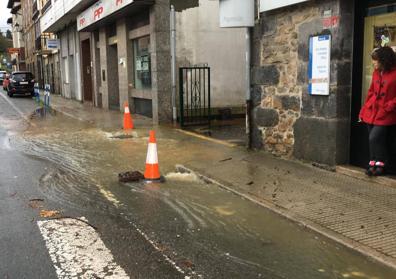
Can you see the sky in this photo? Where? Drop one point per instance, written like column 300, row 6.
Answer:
column 4, row 15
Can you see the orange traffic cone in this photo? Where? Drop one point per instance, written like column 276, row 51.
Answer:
column 128, row 122
column 152, row 167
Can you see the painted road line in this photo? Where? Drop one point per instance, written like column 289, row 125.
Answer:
column 77, row 251
column 18, row 110
column 207, row 138
column 187, row 275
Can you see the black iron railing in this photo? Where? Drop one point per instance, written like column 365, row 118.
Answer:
column 194, row 96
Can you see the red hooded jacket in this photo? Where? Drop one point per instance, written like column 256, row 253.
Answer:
column 380, row 106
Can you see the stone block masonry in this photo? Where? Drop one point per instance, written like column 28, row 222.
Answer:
column 287, row 120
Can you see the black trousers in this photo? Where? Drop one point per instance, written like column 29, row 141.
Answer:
column 378, row 142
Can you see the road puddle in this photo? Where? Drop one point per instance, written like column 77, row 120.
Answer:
column 218, row 233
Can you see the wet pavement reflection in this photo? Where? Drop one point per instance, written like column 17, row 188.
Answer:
column 198, row 225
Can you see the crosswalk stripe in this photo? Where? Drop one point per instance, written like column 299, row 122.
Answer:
column 77, row 251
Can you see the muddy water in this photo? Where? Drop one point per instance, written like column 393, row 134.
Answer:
column 196, row 224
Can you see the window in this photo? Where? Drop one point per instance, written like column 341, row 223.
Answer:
column 142, row 63
column 23, row 76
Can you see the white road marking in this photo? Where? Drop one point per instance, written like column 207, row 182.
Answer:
column 111, row 198
column 77, row 251
column 18, row 110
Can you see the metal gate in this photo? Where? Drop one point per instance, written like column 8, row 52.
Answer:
column 194, row 96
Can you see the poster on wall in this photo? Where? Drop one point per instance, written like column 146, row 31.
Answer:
column 319, row 65
column 268, row 5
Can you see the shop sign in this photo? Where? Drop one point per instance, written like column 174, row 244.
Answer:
column 236, row 13
column 52, row 44
column 100, row 10
column 268, row 5
column 13, row 50
column 319, row 65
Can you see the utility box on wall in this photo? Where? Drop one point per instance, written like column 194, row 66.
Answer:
column 236, row 13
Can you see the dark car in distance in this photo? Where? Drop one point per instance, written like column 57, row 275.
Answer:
column 21, row 83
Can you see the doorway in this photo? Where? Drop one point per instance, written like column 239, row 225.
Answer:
column 86, row 70
column 373, row 20
column 114, row 96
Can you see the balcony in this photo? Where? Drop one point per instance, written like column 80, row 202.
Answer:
column 60, row 13
column 17, row 7
column 41, row 44
column 46, row 6
column 35, row 11
column 11, row 3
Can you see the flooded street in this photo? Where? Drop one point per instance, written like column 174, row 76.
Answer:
column 196, row 226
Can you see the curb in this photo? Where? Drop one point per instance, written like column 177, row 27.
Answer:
column 357, row 173
column 283, row 212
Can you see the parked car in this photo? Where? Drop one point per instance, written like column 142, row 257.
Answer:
column 2, row 76
column 6, row 81
column 21, row 83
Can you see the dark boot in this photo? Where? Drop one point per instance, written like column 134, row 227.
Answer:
column 371, row 168
column 379, row 169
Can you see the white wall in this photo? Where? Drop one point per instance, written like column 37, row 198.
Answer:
column 201, row 40
column 70, row 4
column 70, row 63
column 52, row 15
column 59, row 9
column 17, row 38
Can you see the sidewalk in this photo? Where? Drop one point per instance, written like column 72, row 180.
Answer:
column 358, row 213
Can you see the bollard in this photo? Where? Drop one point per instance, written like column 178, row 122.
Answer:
column 37, row 92
column 47, row 90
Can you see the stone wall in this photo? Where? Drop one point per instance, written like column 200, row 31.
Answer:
column 287, row 120
column 161, row 61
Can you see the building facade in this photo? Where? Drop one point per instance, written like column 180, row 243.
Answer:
column 29, row 37
column 128, row 44
column 59, row 18
column 119, row 50
column 290, row 121
column 16, row 22
column 201, row 41
column 30, row 51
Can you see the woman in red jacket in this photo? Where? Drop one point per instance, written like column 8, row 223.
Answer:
column 379, row 110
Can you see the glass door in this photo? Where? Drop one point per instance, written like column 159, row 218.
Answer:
column 376, row 28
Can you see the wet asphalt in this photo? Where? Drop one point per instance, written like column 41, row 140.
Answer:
column 72, row 166
column 23, row 251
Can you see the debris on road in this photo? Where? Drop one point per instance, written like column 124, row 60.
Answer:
column 130, row 176
column 49, row 213
column 187, row 263
column 36, row 203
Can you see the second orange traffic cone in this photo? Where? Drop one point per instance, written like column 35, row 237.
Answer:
column 128, row 122
column 152, row 167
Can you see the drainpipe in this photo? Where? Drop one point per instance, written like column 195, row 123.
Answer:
column 173, row 62
column 249, row 104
